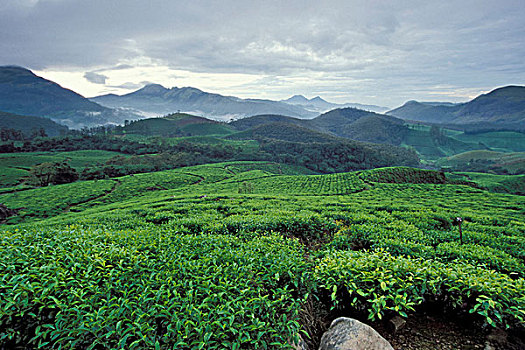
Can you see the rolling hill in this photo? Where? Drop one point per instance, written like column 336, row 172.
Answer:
column 425, row 112
column 284, row 132
column 19, row 86
column 356, row 124
column 156, row 99
column 178, row 124
column 486, row 161
column 349, row 123
column 258, row 120
column 502, row 108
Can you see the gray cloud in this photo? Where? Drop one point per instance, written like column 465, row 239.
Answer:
column 95, row 78
column 395, row 50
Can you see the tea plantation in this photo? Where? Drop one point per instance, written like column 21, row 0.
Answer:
column 247, row 255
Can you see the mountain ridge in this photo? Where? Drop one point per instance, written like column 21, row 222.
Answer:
column 155, row 98
column 320, row 105
column 501, row 106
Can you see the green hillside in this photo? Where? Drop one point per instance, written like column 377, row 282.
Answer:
column 430, row 142
column 502, row 141
column 233, row 255
column 179, row 124
column 28, row 125
column 283, row 132
column 486, row 161
column 361, row 125
column 495, row 183
column 432, row 145
column 258, row 120
column 15, row 166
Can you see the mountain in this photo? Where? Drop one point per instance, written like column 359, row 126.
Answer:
column 156, row 99
column 28, row 124
column 22, row 92
column 317, row 104
column 503, row 105
column 501, row 108
column 297, row 100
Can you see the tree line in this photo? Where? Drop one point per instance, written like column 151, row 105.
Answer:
column 321, row 157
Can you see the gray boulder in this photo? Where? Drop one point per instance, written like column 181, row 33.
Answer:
column 349, row 334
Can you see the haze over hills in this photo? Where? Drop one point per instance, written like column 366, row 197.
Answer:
column 156, row 99
column 504, row 107
column 22, row 92
column 317, row 104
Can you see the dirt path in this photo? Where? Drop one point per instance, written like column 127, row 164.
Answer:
column 111, row 190
column 200, row 178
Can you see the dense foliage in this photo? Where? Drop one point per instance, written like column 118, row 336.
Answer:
column 339, row 156
column 228, row 255
column 326, row 157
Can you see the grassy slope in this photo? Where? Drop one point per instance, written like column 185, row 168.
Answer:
column 495, row 183
column 14, row 166
column 504, row 141
column 78, row 196
column 224, row 179
column 512, row 162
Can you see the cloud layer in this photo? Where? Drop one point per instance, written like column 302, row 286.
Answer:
column 362, row 51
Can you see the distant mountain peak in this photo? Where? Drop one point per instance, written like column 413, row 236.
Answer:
column 152, row 89
column 318, row 99
column 297, row 99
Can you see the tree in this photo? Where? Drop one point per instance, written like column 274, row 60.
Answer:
column 64, row 174
column 42, row 174
column 52, row 173
column 438, row 135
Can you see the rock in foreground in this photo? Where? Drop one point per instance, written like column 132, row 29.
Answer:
column 349, row 334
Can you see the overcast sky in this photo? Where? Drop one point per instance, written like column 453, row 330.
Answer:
column 370, row 51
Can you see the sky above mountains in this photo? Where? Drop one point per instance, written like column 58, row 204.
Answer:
column 370, row 51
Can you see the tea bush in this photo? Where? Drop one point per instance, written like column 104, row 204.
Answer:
column 78, row 288
column 381, row 283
